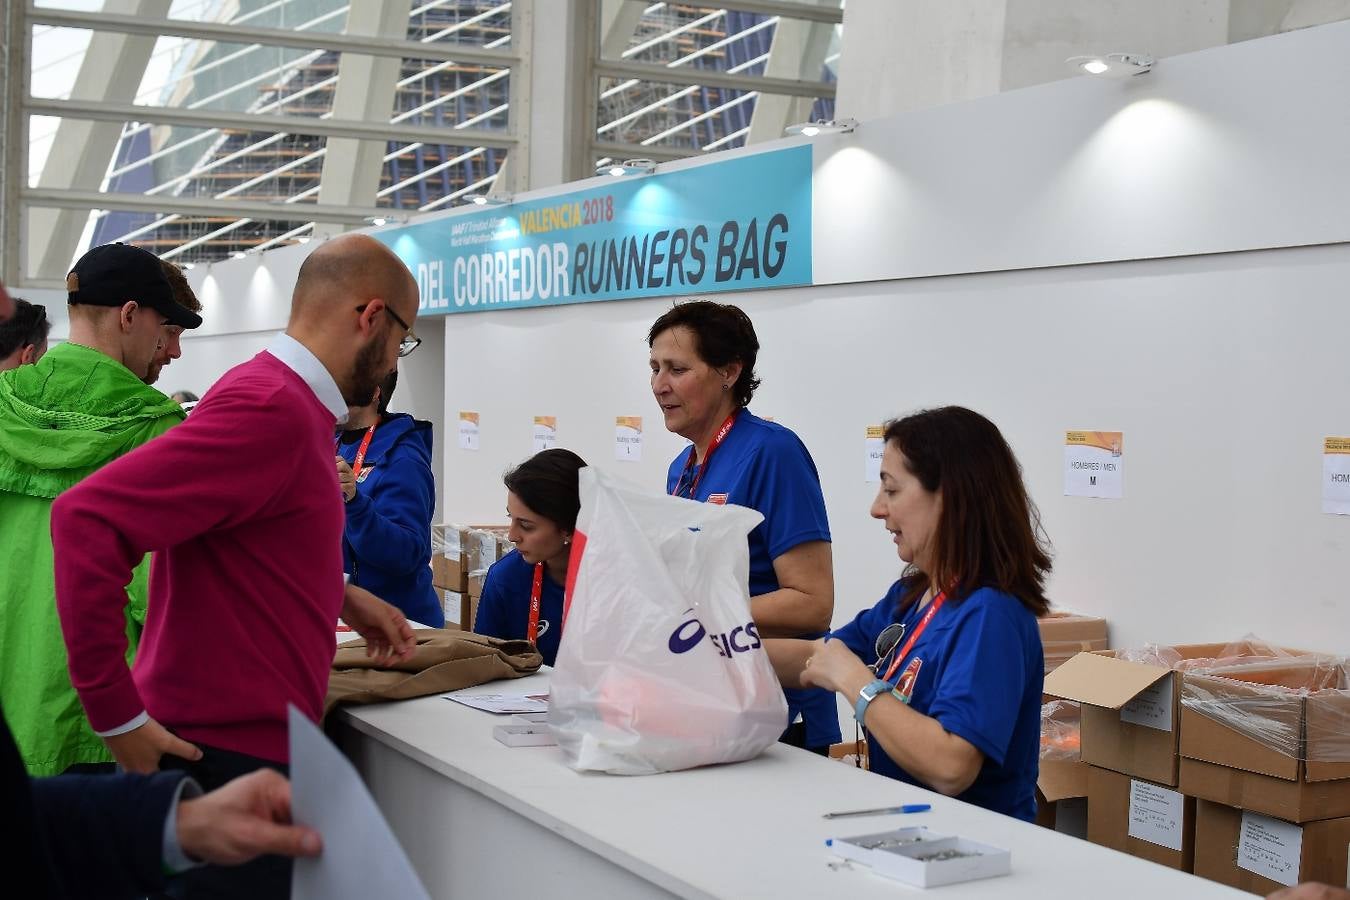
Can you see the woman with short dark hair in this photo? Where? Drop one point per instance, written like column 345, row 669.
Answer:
column 523, row 592
column 945, row 671
column 703, row 376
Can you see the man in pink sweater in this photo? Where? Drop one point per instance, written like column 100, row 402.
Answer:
column 243, row 512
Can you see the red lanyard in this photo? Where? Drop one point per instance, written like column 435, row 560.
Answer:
column 536, row 591
column 707, row 458
column 360, row 459
column 909, row 644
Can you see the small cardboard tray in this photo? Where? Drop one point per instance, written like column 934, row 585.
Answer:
column 922, row 858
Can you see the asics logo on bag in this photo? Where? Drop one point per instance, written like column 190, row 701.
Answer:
column 740, row 639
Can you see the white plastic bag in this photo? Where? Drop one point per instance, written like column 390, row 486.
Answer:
column 660, row 666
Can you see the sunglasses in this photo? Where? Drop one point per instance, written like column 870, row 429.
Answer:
column 410, row 341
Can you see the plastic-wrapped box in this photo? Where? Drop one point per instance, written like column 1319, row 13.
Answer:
column 1131, row 700
column 1271, row 736
column 923, row 858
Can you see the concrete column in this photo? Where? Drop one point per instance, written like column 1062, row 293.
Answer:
column 365, row 92
column 798, row 52
column 553, row 91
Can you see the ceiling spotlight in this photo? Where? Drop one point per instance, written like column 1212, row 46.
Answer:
column 238, row 254
column 627, row 167
column 487, row 199
column 1113, row 65
column 302, row 239
column 377, row 221
column 188, row 265
column 821, row 126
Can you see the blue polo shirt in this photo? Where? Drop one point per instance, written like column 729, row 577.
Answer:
column 979, row 673
column 766, row 467
column 504, row 608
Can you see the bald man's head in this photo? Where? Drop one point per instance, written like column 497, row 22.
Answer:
column 354, row 303
column 353, row 267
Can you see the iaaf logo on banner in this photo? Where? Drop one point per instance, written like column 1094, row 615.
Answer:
column 741, row 639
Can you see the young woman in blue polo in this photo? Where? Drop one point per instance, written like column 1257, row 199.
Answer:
column 703, row 376
column 944, row 673
column 523, row 592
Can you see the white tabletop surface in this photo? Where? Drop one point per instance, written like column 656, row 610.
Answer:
column 749, row 829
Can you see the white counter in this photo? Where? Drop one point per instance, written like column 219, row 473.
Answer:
column 479, row 819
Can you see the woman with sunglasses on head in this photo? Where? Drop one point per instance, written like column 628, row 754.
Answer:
column 703, row 376
column 523, row 592
column 945, row 672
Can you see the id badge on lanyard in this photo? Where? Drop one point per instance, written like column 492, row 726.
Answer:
column 707, row 460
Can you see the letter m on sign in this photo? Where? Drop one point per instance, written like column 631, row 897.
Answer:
column 1092, row 479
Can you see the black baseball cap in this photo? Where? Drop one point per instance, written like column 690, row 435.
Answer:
column 114, row 274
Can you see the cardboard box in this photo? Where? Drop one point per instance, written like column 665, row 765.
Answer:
column 1254, row 853
column 448, row 573
column 1140, row 818
column 1064, row 634
column 468, row 611
column 1061, row 789
column 1265, row 738
column 1130, row 711
column 453, row 606
column 851, row 752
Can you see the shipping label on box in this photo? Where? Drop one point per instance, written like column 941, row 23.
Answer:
column 1157, row 815
column 1151, row 707
column 1270, row 848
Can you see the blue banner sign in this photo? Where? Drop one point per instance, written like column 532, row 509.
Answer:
column 730, row 226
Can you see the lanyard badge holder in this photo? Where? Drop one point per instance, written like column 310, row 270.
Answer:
column 886, row 643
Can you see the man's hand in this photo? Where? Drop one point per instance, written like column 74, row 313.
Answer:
column 248, row 817
column 346, row 480
column 1310, row 890
column 139, row 750
column 389, row 637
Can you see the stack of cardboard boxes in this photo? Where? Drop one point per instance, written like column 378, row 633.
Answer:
column 1266, row 750
column 1061, row 787
column 461, row 555
column 1222, row 759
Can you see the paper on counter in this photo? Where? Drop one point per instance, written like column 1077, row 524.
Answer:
column 361, row 857
column 502, row 704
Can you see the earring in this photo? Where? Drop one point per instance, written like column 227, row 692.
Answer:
column 726, row 387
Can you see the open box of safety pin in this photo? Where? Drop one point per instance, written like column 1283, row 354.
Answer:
column 923, row 858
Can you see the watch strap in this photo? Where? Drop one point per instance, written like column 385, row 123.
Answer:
column 869, row 693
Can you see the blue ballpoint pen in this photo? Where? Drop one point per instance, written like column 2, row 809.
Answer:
column 882, row 811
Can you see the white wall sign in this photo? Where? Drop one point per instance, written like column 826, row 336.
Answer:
column 1270, row 848
column 545, row 433
column 1336, row 476
column 873, row 444
column 1151, row 707
column 1094, row 464
column 1157, row 814
column 468, row 430
column 628, row 438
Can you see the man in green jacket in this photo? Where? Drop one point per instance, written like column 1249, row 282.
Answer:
column 80, row 406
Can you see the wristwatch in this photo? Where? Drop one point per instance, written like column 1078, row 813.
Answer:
column 865, row 696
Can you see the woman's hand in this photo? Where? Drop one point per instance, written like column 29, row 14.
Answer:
column 833, row 666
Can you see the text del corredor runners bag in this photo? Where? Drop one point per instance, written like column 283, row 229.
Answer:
column 660, row 666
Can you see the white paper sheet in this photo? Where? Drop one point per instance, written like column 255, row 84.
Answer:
column 1094, row 464
column 1336, row 478
column 1270, row 847
column 501, row 704
column 1157, row 815
column 874, row 444
column 1151, row 707
column 361, row 857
